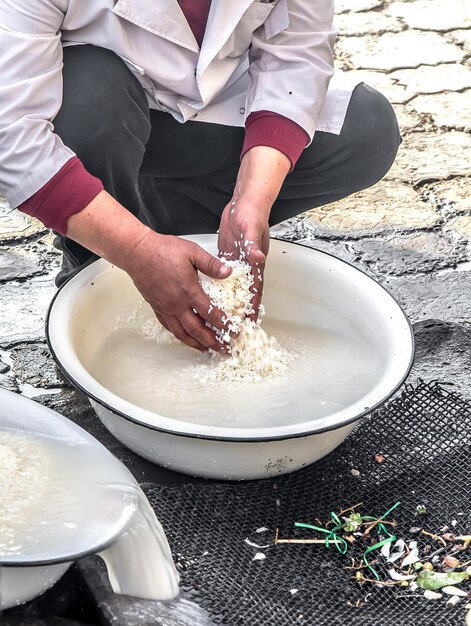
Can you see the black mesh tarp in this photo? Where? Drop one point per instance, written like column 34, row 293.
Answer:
column 425, row 437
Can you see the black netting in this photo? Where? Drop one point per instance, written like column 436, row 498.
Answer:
column 425, row 436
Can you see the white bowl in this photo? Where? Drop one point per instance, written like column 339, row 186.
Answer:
column 41, row 564
column 302, row 285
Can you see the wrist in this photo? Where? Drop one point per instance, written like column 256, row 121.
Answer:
column 109, row 230
column 254, row 202
column 137, row 248
column 262, row 173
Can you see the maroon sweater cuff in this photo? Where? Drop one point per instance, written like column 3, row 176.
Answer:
column 65, row 194
column 265, row 128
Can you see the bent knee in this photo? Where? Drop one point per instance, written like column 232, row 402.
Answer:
column 102, row 100
column 377, row 136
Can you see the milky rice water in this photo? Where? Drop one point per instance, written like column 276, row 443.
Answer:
column 306, row 372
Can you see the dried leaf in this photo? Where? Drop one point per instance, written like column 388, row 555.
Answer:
column 451, row 561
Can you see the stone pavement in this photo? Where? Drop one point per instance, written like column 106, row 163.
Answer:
column 412, row 231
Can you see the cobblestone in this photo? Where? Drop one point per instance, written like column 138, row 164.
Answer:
column 23, row 313
column 462, row 225
column 395, row 93
column 386, row 207
column 443, row 347
column 19, row 263
column 341, row 6
column 449, row 110
column 393, row 51
column 409, row 120
column 371, row 22
column 462, row 37
column 430, row 156
column 445, row 296
column 436, row 16
column 16, row 226
column 433, row 79
column 454, row 195
column 418, row 252
column 34, row 365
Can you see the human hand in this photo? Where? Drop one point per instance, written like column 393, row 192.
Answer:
column 244, row 231
column 244, row 234
column 165, row 270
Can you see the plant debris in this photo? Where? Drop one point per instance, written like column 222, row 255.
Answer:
column 437, row 570
column 427, row 579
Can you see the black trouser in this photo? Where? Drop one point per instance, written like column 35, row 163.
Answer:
column 178, row 178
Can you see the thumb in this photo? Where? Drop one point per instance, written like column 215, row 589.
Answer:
column 254, row 254
column 209, row 264
column 253, row 249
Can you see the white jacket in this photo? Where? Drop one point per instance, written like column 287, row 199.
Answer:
column 256, row 55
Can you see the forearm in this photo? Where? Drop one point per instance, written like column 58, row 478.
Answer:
column 109, row 230
column 261, row 175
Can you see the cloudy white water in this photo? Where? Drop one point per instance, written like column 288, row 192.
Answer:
column 180, row 612
column 327, row 372
column 138, row 565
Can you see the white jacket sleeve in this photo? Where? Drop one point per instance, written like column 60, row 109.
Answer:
column 290, row 72
column 30, row 95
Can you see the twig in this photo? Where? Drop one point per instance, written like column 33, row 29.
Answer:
column 436, row 537
column 380, row 520
column 361, row 566
column 371, row 526
column 383, row 583
column 350, row 508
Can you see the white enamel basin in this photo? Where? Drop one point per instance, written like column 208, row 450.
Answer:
column 40, row 564
column 302, row 285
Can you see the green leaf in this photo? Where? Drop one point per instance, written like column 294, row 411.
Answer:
column 436, row 580
column 353, row 522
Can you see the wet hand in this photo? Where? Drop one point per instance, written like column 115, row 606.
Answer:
column 165, row 270
column 244, row 234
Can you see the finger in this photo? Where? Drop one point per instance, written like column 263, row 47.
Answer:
column 209, row 264
column 210, row 313
column 176, row 328
column 254, row 255
column 162, row 321
column 254, row 248
column 197, row 329
column 257, row 291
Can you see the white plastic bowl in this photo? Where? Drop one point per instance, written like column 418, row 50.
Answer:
column 302, row 285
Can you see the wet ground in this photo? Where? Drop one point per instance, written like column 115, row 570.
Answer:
column 412, row 231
